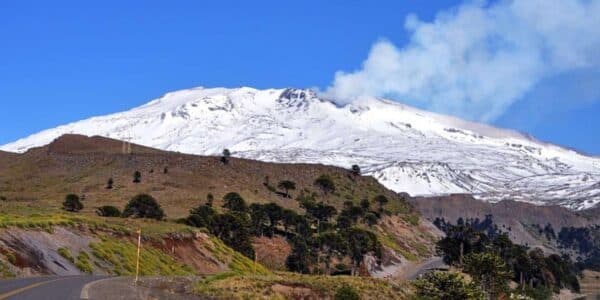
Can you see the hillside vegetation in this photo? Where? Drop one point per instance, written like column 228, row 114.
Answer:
column 104, row 174
column 82, row 165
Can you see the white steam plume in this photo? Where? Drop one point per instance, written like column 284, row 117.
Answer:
column 477, row 59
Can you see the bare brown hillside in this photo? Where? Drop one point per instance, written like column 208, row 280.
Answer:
column 517, row 218
column 452, row 207
column 83, row 165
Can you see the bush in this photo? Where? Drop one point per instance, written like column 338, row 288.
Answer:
column 346, row 292
column 287, row 185
column 72, row 203
column 66, row 253
column 325, row 183
column 83, row 263
column 108, row 211
column 143, row 206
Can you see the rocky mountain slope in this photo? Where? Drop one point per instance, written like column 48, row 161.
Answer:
column 406, row 149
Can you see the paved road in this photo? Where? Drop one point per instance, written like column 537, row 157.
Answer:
column 426, row 267
column 45, row 288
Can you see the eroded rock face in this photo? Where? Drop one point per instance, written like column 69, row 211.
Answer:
column 35, row 251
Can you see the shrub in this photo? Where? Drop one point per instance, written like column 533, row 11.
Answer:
column 346, row 292
column 325, row 183
column 143, row 206
column 381, row 200
column 72, row 203
column 83, row 262
column 11, row 257
column 108, row 211
column 287, row 185
column 66, row 253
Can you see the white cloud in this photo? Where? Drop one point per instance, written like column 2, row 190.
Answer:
column 477, row 59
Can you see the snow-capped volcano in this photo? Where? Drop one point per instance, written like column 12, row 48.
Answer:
column 406, row 149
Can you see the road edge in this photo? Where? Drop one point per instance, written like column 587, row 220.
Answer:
column 85, row 295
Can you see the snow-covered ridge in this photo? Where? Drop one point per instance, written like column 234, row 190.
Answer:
column 407, row 149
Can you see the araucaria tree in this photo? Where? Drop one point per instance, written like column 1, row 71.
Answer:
column 209, row 199
column 488, row 271
column 143, row 206
column 355, row 170
column 225, row 157
column 109, row 184
column 137, row 177
column 361, row 242
column 72, row 203
column 287, row 185
column 232, row 230
column 234, row 202
column 446, row 286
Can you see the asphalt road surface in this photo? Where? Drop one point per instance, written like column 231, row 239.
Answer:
column 45, row 288
column 428, row 266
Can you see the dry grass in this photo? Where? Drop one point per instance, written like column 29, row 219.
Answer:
column 293, row 285
column 590, row 284
column 80, row 165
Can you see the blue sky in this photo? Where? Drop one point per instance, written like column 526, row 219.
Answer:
column 63, row 61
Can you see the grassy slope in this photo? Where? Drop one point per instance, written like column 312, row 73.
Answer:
column 38, row 181
column 42, row 177
column 45, row 175
column 292, row 285
column 114, row 251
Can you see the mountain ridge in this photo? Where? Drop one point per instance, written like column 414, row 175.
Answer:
column 407, row 149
